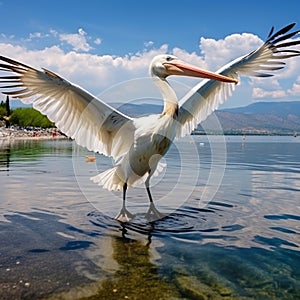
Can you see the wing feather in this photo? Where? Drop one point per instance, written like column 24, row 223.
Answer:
column 77, row 113
column 206, row 96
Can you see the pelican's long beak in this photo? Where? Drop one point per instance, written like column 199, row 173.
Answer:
column 178, row 67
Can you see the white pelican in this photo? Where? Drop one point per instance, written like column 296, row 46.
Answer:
column 137, row 144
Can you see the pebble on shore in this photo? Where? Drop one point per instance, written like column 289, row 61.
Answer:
column 32, row 133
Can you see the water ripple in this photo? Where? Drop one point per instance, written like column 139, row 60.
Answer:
column 186, row 219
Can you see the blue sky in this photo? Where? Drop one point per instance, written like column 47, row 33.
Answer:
column 98, row 44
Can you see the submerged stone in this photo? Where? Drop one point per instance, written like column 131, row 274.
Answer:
column 193, row 288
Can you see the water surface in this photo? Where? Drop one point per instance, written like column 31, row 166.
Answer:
column 231, row 228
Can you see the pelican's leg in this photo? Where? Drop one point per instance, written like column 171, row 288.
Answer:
column 124, row 215
column 152, row 213
column 147, row 184
column 124, row 192
column 148, row 190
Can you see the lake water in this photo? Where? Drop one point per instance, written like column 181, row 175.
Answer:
column 231, row 228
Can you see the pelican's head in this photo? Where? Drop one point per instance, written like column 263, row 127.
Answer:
column 165, row 65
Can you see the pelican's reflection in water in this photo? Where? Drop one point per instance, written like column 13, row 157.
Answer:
column 137, row 276
column 128, row 257
column 5, row 155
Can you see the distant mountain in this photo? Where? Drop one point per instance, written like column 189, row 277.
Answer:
column 270, row 108
column 256, row 118
column 135, row 110
column 259, row 118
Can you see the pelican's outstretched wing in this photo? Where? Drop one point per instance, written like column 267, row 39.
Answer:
column 205, row 97
column 77, row 113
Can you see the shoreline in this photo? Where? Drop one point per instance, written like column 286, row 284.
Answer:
column 15, row 134
column 41, row 137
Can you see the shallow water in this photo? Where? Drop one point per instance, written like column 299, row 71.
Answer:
column 231, row 226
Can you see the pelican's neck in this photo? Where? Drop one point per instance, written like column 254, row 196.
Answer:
column 169, row 96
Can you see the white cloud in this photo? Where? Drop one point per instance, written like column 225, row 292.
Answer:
column 53, row 32
column 263, row 82
column 81, row 32
column 6, row 37
column 295, row 89
column 99, row 72
column 217, row 53
column 149, row 44
column 261, row 93
column 97, row 41
column 192, row 58
column 35, row 35
column 77, row 40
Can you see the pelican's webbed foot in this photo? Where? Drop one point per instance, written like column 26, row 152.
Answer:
column 153, row 213
column 124, row 215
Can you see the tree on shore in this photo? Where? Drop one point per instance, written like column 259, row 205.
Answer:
column 5, row 111
column 7, row 106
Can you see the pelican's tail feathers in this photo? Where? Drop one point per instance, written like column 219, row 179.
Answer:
column 113, row 179
column 110, row 179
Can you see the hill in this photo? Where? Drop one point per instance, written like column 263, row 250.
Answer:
column 138, row 110
column 273, row 108
column 260, row 118
column 256, row 118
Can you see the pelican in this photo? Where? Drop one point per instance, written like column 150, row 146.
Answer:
column 138, row 144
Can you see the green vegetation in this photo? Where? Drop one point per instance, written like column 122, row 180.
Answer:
column 3, row 112
column 26, row 117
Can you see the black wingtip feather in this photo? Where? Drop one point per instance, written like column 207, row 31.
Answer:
column 271, row 32
column 280, row 32
column 285, row 37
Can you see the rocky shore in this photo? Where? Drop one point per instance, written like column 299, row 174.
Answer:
column 29, row 133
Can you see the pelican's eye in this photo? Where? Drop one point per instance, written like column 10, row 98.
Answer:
column 169, row 58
